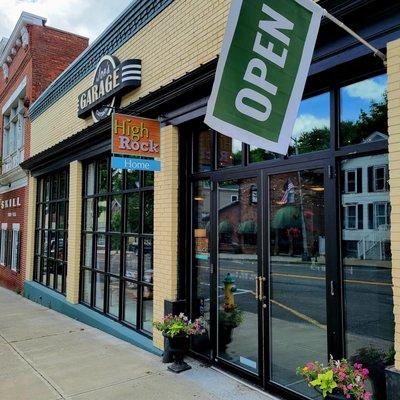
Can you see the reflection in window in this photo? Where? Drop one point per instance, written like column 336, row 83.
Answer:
column 369, row 324
column 229, row 151
column 257, row 155
column 117, row 248
column 237, row 266
column 297, row 275
column 363, row 110
column 201, row 262
column 312, row 127
column 51, row 230
column 202, row 151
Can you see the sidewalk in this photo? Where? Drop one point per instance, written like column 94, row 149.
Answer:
column 46, row 356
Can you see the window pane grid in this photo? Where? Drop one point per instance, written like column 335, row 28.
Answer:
column 117, row 220
column 52, row 230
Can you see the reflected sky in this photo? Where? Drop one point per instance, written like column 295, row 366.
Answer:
column 313, row 113
column 359, row 95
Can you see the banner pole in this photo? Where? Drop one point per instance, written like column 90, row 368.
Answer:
column 376, row 52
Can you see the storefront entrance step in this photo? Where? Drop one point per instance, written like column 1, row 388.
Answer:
column 56, row 301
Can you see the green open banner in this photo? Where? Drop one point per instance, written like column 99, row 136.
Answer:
column 262, row 70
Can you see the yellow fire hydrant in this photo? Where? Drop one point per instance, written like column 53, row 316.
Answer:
column 229, row 289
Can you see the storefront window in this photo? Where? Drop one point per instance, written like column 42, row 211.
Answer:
column 367, row 263
column 52, row 230
column 363, row 117
column 312, row 127
column 229, row 151
column 117, row 254
column 202, row 157
column 201, row 271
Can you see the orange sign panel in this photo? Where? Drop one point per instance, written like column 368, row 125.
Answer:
column 135, row 136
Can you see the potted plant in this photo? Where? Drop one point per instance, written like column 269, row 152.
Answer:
column 338, row 381
column 230, row 317
column 177, row 329
column 376, row 360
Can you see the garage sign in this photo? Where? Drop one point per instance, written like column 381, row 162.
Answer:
column 261, row 73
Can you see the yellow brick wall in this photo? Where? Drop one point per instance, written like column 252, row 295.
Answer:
column 393, row 69
column 74, row 230
column 30, row 228
column 169, row 46
column 166, row 226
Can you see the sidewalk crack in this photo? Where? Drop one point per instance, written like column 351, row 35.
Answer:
column 20, row 354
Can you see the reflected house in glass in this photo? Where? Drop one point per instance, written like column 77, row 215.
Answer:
column 237, row 228
column 287, row 258
column 366, row 207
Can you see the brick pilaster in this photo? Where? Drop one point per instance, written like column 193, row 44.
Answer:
column 393, row 70
column 166, row 226
column 74, row 231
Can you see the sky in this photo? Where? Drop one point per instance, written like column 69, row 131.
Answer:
column 83, row 17
column 314, row 112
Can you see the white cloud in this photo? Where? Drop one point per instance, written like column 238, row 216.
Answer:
column 87, row 18
column 307, row 122
column 369, row 90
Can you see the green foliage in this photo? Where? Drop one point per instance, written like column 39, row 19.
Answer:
column 231, row 316
column 258, row 155
column 314, row 140
column 325, row 383
column 368, row 122
column 173, row 325
column 351, row 132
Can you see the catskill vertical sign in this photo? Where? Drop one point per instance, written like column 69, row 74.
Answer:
column 261, row 73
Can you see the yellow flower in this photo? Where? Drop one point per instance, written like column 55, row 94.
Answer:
column 305, row 369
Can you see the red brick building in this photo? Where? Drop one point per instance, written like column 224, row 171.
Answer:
column 30, row 60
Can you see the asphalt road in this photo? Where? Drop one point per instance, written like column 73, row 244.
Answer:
column 298, row 294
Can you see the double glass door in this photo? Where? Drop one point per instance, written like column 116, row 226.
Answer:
column 259, row 273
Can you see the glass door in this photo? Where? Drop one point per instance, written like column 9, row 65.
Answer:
column 297, row 303
column 239, row 285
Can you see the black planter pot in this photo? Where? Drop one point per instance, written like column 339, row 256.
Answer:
column 178, row 345
column 225, row 335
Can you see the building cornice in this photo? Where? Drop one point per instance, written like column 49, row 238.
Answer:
column 19, row 37
column 135, row 17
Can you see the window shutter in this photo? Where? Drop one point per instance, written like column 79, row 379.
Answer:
column 370, row 216
column 360, row 216
column 370, row 179
column 388, row 209
column 359, row 180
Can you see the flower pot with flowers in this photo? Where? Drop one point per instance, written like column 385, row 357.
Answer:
column 338, row 381
column 177, row 329
column 229, row 318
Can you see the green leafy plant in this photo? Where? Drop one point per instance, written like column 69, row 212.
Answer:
column 173, row 325
column 338, row 377
column 325, row 383
column 231, row 315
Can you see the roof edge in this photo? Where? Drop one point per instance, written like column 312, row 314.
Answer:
column 131, row 20
column 24, row 19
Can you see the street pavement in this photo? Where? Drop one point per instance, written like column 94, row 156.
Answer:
column 45, row 355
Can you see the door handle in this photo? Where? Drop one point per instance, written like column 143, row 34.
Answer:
column 261, row 280
column 257, row 296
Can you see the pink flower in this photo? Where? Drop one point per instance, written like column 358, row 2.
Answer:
column 367, row 396
column 342, row 376
column 350, row 386
column 348, row 396
column 310, row 366
column 364, row 372
column 357, row 366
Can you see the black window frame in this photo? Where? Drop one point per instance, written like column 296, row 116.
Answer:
column 43, row 247
column 142, row 286
column 331, row 158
